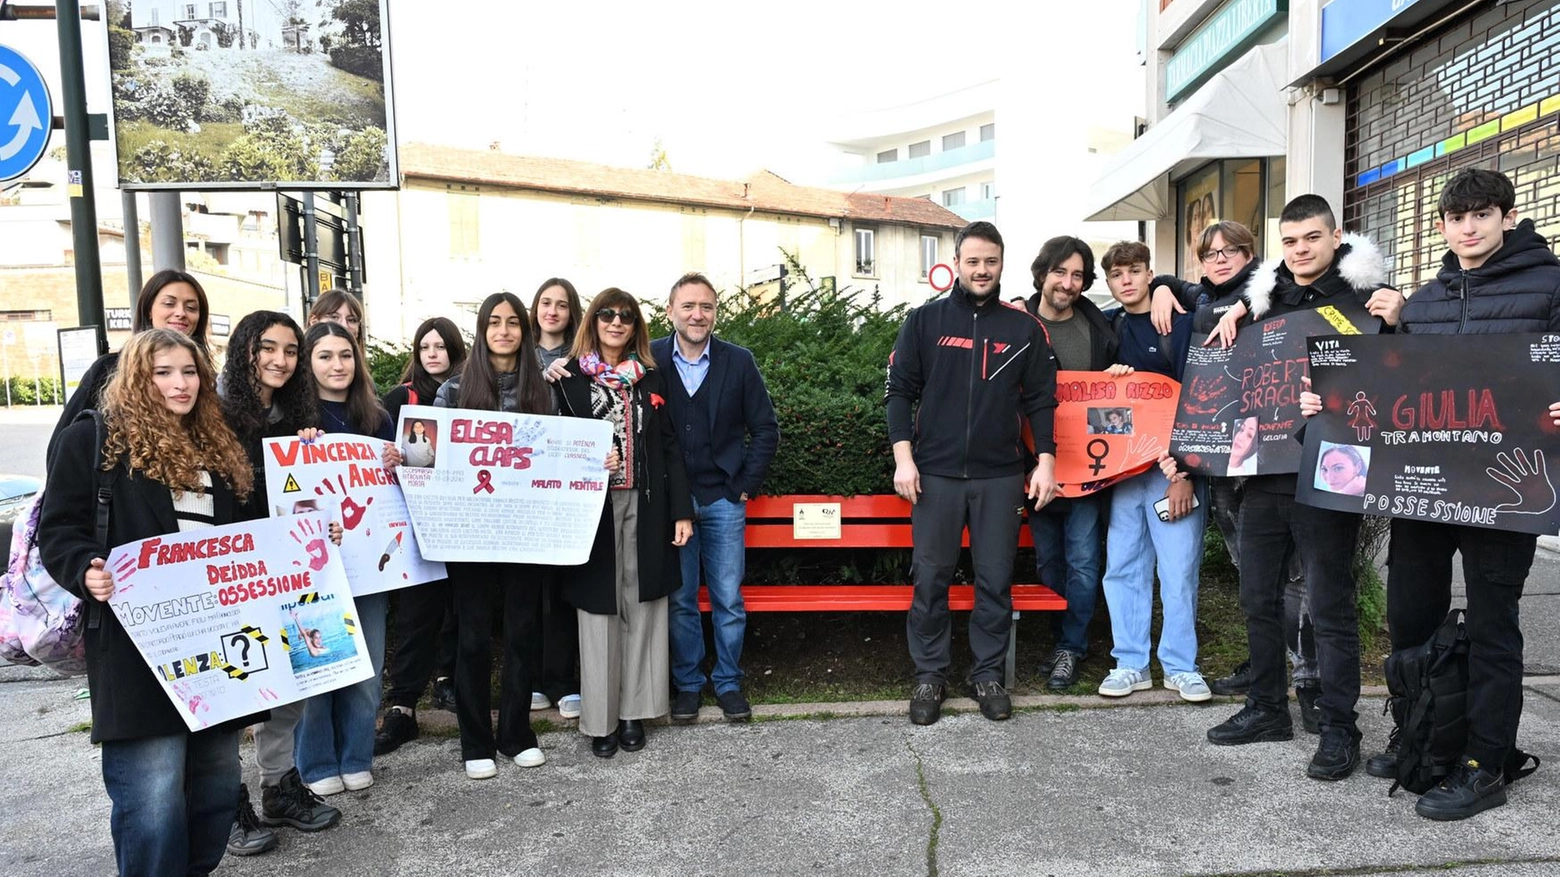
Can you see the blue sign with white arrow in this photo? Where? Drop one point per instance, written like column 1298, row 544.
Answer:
column 25, row 114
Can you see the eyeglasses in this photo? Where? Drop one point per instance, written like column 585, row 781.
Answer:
column 1227, row 252
column 607, row 315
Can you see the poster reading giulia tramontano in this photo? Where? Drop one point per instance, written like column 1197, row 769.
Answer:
column 252, row 94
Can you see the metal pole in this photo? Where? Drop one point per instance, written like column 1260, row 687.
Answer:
column 78, row 160
column 167, row 230
column 311, row 254
column 132, row 245
column 354, row 247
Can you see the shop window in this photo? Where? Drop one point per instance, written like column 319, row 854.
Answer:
column 1248, row 191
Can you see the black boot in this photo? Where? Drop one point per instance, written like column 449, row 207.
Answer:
column 1385, row 764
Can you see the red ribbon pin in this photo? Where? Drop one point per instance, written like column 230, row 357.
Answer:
column 484, row 481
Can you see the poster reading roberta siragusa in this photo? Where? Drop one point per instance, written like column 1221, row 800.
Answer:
column 1454, row 429
column 486, row 486
column 241, row 618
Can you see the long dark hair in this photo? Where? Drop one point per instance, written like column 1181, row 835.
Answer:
column 426, row 386
column 154, row 285
column 576, row 310
column 363, row 409
column 479, row 380
column 241, row 403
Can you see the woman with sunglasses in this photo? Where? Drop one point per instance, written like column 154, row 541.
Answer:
column 621, row 592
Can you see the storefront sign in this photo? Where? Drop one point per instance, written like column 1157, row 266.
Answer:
column 1227, row 33
column 1346, row 22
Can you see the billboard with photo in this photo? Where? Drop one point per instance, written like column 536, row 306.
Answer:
column 253, row 94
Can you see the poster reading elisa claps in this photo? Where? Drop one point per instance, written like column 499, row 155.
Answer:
column 237, row 619
column 1454, row 430
column 503, row 488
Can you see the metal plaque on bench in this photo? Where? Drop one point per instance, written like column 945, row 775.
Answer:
column 815, row 520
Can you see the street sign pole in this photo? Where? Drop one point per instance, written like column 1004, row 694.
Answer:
column 78, row 160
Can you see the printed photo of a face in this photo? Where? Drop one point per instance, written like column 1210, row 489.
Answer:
column 1110, row 421
column 1342, row 469
column 317, row 636
column 1243, row 447
column 419, row 444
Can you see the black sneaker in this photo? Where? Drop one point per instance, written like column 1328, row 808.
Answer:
column 398, row 727
column 1385, row 764
column 1253, row 725
column 993, row 699
column 1310, row 713
column 444, row 694
column 685, row 706
column 1064, row 670
column 290, row 802
column 1236, row 684
column 734, row 706
column 248, row 837
column 926, row 703
column 1469, row 790
column 1336, row 756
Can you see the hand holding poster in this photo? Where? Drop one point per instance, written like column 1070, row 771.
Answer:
column 1240, row 405
column 343, row 472
column 241, row 618
column 1109, row 428
column 1434, row 428
column 505, row 488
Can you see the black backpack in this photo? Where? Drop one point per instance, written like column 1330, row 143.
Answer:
column 1428, row 702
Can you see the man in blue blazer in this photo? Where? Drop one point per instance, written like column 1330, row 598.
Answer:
column 728, row 433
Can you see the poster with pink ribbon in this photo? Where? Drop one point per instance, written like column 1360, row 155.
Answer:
column 486, row 486
column 238, row 619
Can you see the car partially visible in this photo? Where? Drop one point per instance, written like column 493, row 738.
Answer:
column 15, row 492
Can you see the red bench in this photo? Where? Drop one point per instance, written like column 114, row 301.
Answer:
column 864, row 522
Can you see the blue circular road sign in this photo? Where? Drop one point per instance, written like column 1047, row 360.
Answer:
column 26, row 114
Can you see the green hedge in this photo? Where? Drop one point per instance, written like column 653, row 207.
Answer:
column 27, row 391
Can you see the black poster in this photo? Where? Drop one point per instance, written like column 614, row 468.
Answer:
column 1453, row 429
column 1240, row 405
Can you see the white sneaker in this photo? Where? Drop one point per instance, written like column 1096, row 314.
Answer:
column 481, row 769
column 539, row 701
column 327, row 786
column 1122, row 681
column 1191, row 686
column 569, row 706
column 532, row 757
column 357, row 781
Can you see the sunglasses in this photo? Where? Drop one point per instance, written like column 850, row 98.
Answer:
column 607, row 315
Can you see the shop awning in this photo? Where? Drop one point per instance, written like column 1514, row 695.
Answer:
column 1240, row 113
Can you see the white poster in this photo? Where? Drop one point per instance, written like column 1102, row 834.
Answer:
column 343, row 472
column 505, row 488
column 241, row 618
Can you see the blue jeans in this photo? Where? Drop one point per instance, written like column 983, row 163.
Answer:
column 1135, row 539
column 336, row 734
column 1068, row 556
column 172, row 801
column 717, row 543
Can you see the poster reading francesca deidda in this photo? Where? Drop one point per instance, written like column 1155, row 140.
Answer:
column 342, row 475
column 1436, row 428
column 1109, row 428
column 503, row 488
column 1240, row 405
column 240, row 618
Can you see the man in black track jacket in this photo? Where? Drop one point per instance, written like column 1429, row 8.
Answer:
column 966, row 371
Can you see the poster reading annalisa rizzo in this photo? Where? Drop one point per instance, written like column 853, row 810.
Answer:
column 504, row 488
column 1109, row 428
column 240, row 618
column 1435, row 428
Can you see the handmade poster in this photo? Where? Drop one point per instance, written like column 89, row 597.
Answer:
column 1436, row 428
column 342, row 474
column 1240, row 405
column 1109, row 429
column 238, row 619
column 503, row 488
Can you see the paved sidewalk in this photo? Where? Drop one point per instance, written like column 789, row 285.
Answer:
column 1125, row 790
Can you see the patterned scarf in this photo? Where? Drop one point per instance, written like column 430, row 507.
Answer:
column 620, row 377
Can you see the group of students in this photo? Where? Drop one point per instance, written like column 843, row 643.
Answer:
column 180, row 447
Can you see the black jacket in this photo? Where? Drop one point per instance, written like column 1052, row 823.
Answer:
column 1102, row 338
column 85, row 398
column 128, row 702
column 743, row 431
column 1517, row 290
column 976, row 371
column 662, row 485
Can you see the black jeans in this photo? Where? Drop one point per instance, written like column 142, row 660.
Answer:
column 424, row 641
column 477, row 587
column 1419, row 594
column 1272, row 526
column 556, row 648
